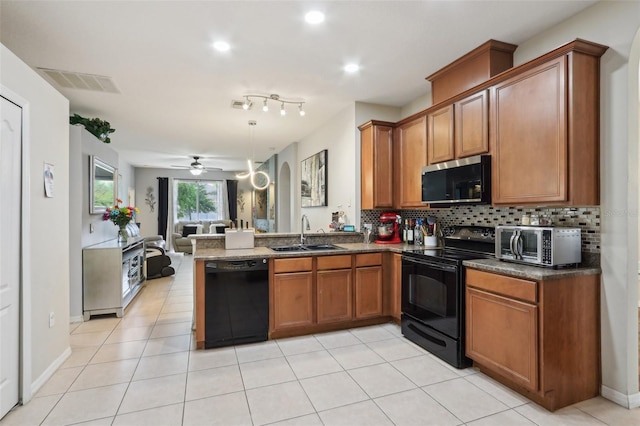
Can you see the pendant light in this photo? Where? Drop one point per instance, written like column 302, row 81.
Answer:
column 252, row 174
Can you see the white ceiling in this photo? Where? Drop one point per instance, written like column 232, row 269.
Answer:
column 176, row 91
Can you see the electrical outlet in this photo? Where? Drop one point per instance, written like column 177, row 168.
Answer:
column 368, row 226
column 91, row 228
column 52, row 319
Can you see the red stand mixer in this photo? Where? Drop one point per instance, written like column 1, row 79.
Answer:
column 389, row 229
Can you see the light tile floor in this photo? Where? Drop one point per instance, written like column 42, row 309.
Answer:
column 143, row 369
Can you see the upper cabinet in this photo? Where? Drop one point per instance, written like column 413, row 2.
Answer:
column 476, row 67
column 376, row 165
column 538, row 121
column 459, row 129
column 472, row 125
column 440, row 129
column 410, row 142
column 544, row 130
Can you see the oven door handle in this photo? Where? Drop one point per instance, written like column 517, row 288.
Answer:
column 434, row 265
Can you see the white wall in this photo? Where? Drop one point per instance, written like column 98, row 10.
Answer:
column 336, row 136
column 82, row 145
column 289, row 213
column 46, row 264
column 614, row 24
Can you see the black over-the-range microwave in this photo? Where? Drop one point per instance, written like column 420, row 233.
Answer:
column 463, row 181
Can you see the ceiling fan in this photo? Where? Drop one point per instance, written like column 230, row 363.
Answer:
column 196, row 167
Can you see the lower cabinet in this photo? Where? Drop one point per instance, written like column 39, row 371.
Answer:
column 539, row 337
column 510, row 344
column 334, row 289
column 392, row 270
column 319, row 293
column 369, row 292
column 291, row 295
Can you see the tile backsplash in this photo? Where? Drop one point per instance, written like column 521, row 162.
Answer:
column 585, row 218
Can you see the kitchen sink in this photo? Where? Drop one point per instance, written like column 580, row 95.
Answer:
column 305, row 247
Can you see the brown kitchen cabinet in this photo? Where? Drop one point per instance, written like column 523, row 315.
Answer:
column 544, row 132
column 376, row 165
column 440, row 125
column 324, row 293
column 368, row 288
column 460, row 129
column 392, row 269
column 471, row 133
column 334, row 282
column 410, row 142
column 539, row 337
column 292, row 295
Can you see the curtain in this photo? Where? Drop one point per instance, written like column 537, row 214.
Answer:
column 163, row 206
column 232, row 194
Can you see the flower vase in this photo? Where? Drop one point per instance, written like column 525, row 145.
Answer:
column 122, row 234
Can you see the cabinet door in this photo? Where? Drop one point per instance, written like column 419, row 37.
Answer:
column 368, row 292
column 440, row 142
column 528, row 136
column 292, row 300
column 334, row 295
column 472, row 125
column 396, row 285
column 502, row 336
column 410, row 140
column 376, row 166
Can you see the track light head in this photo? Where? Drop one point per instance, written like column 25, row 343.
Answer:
column 301, row 111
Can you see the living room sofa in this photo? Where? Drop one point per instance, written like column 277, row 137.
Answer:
column 182, row 230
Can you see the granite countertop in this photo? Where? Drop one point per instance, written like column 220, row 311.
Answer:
column 259, row 252
column 527, row 271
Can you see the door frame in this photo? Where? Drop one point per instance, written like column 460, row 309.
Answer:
column 25, row 374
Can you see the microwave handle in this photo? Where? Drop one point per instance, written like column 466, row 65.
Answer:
column 511, row 243
column 515, row 244
column 519, row 246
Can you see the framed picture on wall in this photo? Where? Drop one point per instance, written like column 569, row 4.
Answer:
column 313, row 185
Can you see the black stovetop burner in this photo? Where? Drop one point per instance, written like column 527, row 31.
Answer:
column 461, row 243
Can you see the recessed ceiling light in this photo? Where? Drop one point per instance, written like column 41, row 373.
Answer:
column 221, row 46
column 351, row 68
column 314, row 17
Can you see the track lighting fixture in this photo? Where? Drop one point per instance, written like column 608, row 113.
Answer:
column 247, row 104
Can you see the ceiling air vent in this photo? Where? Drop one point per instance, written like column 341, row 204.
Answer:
column 76, row 80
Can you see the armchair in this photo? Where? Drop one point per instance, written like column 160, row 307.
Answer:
column 180, row 238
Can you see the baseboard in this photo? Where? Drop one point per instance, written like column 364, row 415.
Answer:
column 627, row 401
column 73, row 320
column 53, row 367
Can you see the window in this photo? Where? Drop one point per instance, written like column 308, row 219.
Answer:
column 198, row 200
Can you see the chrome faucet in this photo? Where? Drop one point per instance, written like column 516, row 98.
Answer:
column 304, row 217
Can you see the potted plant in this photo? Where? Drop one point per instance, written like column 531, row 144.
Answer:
column 97, row 127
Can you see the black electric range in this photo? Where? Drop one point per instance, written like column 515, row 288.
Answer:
column 433, row 295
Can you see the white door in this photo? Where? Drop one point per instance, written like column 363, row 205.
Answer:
column 10, row 214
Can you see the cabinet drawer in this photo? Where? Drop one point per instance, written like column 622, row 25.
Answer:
column 294, row 264
column 500, row 284
column 334, row 262
column 368, row 259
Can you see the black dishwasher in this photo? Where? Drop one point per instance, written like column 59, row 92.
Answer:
column 236, row 302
